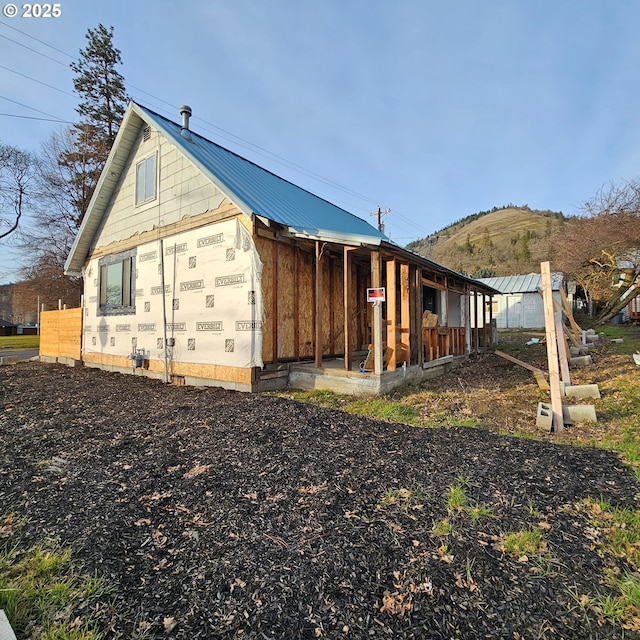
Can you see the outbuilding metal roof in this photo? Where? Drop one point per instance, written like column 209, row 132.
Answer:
column 529, row 283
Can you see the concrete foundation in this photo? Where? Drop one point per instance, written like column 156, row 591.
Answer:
column 307, row 377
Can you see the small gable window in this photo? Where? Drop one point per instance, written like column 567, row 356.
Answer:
column 116, row 284
column 146, row 180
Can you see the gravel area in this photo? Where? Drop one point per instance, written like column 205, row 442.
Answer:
column 219, row 514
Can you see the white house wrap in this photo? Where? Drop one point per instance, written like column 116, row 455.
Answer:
column 212, row 301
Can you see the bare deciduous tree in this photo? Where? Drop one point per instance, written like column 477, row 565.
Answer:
column 17, row 175
column 601, row 249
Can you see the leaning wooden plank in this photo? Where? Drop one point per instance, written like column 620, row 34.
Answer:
column 552, row 348
column 537, row 373
column 577, row 331
column 526, row 365
column 563, row 348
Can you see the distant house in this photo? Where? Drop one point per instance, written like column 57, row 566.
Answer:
column 204, row 268
column 520, row 305
column 8, row 328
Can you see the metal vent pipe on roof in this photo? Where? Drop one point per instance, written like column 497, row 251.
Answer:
column 185, row 112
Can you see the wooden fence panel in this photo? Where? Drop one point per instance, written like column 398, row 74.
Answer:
column 61, row 333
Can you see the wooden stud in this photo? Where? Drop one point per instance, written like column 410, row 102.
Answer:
column 274, row 300
column 562, row 348
column 346, row 278
column 391, row 315
column 296, row 303
column 318, row 302
column 405, row 313
column 552, row 348
column 376, row 339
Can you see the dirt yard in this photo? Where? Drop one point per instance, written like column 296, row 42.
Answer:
column 218, row 514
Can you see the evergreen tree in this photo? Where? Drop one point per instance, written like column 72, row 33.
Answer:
column 101, row 108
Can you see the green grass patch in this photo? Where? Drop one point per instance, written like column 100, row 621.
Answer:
column 379, row 408
column 19, row 342
column 526, row 542
column 42, row 587
column 630, row 337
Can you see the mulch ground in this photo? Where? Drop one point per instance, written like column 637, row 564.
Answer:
column 219, row 514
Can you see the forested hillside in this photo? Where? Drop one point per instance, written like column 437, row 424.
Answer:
column 504, row 241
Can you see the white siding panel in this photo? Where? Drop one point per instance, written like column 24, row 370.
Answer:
column 181, row 191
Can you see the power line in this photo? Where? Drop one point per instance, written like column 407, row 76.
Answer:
column 26, row 106
column 46, row 44
column 44, row 55
column 234, row 137
column 35, row 80
column 13, row 115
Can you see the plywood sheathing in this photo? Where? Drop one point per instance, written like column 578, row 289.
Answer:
column 61, row 333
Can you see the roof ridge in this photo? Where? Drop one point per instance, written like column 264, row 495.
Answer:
column 255, row 164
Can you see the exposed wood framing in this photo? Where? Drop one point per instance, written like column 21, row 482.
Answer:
column 405, row 314
column 318, row 304
column 418, row 317
column 348, row 310
column 391, row 315
column 376, row 339
column 274, row 300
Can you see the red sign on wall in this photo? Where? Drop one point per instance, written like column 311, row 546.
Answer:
column 376, row 295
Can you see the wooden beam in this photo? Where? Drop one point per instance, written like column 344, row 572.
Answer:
column 405, row 313
column 346, row 279
column 332, row 330
column 552, row 348
column 418, row 321
column 318, row 314
column 577, row 331
column 491, row 319
column 562, row 348
column 476, row 334
column 391, row 315
column 296, row 303
column 274, row 300
column 538, row 373
column 376, row 338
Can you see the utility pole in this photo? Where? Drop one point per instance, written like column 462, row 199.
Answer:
column 380, row 213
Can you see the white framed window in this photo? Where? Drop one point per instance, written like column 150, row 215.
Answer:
column 146, row 180
column 116, row 285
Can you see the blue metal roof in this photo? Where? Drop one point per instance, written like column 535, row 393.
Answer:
column 256, row 190
column 529, row 283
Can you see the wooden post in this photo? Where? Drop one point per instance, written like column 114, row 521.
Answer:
column 552, row 348
column 319, row 293
column 476, row 334
column 296, row 303
column 274, row 300
column 562, row 348
column 419, row 304
column 346, row 278
column 491, row 319
column 391, row 314
column 376, row 338
column 405, row 313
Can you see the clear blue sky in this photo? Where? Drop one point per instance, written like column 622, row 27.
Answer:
column 434, row 109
